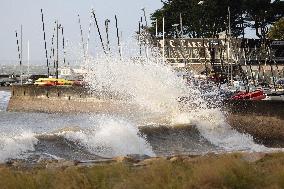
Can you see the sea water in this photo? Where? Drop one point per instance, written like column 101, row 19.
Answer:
column 154, row 88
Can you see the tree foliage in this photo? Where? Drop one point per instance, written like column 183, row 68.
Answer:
column 209, row 18
column 277, row 30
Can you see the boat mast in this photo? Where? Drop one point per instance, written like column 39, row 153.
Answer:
column 28, row 58
column 44, row 38
column 163, row 40
column 21, row 66
column 63, row 46
column 18, row 48
column 181, row 26
column 107, row 21
column 89, row 35
column 57, row 47
column 97, row 25
column 229, row 44
column 82, row 37
column 118, row 38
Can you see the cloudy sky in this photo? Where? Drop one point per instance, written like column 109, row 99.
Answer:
column 13, row 13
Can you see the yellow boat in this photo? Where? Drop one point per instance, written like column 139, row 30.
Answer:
column 52, row 82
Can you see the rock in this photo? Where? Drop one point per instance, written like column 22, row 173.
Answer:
column 177, row 159
column 125, row 159
column 93, row 162
column 151, row 161
column 15, row 163
column 138, row 157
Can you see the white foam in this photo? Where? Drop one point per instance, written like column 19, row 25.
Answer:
column 14, row 146
column 111, row 137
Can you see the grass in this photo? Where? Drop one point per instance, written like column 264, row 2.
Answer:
column 210, row 171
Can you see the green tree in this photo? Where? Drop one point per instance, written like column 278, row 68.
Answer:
column 211, row 17
column 276, row 32
column 262, row 13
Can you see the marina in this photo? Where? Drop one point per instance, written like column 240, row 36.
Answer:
column 178, row 91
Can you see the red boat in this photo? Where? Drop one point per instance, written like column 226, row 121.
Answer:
column 255, row 95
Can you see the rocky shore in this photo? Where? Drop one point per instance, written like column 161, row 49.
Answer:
column 236, row 170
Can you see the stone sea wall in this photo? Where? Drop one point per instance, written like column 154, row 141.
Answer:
column 66, row 99
column 79, row 99
column 271, row 108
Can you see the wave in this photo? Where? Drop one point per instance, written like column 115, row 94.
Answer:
column 111, row 137
column 15, row 146
column 4, row 100
column 212, row 125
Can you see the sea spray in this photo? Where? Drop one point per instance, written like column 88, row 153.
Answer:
column 152, row 86
column 156, row 89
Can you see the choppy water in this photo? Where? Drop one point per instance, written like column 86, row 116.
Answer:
column 88, row 136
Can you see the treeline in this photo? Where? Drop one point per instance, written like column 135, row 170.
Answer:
column 208, row 18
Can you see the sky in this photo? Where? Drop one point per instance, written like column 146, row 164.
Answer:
column 13, row 13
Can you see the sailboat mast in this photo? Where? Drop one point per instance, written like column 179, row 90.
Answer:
column 21, row 65
column 28, row 57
